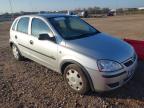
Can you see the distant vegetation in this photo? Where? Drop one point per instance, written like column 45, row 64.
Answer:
column 120, row 11
column 90, row 11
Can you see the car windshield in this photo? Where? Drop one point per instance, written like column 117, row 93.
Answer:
column 71, row 27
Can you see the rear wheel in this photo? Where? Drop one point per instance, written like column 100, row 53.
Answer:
column 76, row 79
column 16, row 53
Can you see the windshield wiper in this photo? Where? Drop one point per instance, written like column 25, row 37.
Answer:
column 91, row 33
column 82, row 35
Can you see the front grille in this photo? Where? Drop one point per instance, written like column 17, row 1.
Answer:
column 128, row 63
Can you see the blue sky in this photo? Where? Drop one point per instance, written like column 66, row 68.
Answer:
column 40, row 5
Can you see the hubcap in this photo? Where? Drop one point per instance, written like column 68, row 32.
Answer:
column 15, row 52
column 74, row 79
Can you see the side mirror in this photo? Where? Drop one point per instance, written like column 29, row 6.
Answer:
column 46, row 37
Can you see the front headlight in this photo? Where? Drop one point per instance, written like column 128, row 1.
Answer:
column 108, row 66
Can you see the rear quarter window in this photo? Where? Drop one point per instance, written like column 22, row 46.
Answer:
column 22, row 25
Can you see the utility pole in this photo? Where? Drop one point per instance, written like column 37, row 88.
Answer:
column 11, row 8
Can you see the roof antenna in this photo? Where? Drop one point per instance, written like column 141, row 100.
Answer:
column 11, row 8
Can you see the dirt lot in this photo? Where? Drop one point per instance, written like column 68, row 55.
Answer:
column 27, row 84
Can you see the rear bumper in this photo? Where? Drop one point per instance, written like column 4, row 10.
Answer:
column 110, row 81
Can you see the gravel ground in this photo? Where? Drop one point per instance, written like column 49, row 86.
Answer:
column 26, row 84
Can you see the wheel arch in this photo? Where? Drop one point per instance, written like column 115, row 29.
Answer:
column 65, row 63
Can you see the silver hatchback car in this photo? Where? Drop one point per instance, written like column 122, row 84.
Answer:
column 87, row 58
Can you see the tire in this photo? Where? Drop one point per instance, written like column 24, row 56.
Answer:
column 16, row 53
column 76, row 79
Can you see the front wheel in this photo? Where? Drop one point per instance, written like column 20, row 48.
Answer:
column 76, row 79
column 16, row 53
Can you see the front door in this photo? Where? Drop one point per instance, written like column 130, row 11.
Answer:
column 43, row 51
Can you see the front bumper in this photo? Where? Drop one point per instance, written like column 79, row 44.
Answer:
column 105, row 81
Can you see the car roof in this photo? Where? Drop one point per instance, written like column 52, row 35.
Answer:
column 46, row 15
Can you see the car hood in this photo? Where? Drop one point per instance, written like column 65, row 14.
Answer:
column 102, row 46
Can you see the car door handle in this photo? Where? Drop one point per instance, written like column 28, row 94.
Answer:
column 31, row 42
column 16, row 37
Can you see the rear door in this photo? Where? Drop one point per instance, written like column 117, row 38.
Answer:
column 22, row 35
column 13, row 32
column 43, row 51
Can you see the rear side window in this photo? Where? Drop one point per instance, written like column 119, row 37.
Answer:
column 14, row 25
column 23, row 25
column 39, row 27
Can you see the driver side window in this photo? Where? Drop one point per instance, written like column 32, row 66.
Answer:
column 39, row 27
